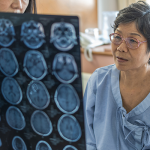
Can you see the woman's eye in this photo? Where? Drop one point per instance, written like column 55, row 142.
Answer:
column 117, row 37
column 133, row 41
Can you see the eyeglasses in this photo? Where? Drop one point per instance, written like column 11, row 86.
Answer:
column 132, row 43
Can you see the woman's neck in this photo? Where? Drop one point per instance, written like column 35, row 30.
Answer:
column 135, row 78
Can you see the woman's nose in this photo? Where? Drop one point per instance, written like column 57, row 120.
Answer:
column 17, row 4
column 122, row 47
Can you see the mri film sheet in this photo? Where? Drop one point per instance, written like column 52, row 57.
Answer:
column 11, row 91
column 69, row 147
column 42, row 145
column 15, row 118
column 67, row 99
column 8, row 62
column 63, row 36
column 41, row 105
column 35, row 65
column 65, row 68
column 32, row 33
column 69, row 128
column 18, row 143
column 7, row 32
column 41, row 123
column 38, row 95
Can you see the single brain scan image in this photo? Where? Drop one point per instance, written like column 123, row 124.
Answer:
column 65, row 68
column 8, row 62
column 15, row 118
column 69, row 147
column 66, row 99
column 38, row 95
column 69, row 128
column 41, row 123
column 11, row 91
column 32, row 34
column 7, row 32
column 63, row 36
column 42, row 145
column 35, row 65
column 18, row 143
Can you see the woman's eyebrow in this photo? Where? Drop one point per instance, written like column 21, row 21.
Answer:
column 118, row 30
column 130, row 33
column 135, row 34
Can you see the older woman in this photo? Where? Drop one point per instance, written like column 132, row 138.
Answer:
column 18, row 6
column 117, row 97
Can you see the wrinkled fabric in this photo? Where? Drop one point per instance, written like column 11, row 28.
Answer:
column 107, row 124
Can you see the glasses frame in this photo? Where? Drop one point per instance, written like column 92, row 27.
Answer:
column 125, row 39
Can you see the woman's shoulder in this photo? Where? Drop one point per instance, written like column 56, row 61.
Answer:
column 106, row 68
column 100, row 75
column 100, row 72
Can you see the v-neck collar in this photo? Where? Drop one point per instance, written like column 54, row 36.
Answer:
column 140, row 108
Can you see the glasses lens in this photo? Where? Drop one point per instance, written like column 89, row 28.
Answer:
column 132, row 43
column 116, row 39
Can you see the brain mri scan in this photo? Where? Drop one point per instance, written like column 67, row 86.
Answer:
column 35, row 65
column 69, row 128
column 69, row 147
column 15, row 118
column 67, row 99
column 11, row 91
column 7, row 32
column 41, row 123
column 18, row 143
column 32, row 34
column 8, row 62
column 63, row 36
column 38, row 95
column 65, row 68
column 42, row 145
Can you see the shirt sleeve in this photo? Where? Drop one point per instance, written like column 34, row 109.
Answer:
column 89, row 107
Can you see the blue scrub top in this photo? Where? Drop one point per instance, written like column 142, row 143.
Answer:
column 107, row 124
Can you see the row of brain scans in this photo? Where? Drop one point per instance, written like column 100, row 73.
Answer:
column 64, row 66
column 19, row 144
column 68, row 127
column 65, row 97
column 62, row 34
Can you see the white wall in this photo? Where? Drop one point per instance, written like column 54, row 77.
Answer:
column 105, row 5
column 148, row 1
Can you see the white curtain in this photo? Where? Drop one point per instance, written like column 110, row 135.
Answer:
column 124, row 3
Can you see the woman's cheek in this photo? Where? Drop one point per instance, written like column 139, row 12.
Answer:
column 113, row 48
column 4, row 5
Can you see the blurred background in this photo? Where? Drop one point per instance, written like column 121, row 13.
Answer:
column 96, row 21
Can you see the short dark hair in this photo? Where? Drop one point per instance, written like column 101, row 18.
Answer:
column 139, row 13
column 31, row 7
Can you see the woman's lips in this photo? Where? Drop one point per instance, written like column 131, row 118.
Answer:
column 120, row 59
column 17, row 11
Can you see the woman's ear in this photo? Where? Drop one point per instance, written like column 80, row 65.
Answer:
column 149, row 59
column 148, row 56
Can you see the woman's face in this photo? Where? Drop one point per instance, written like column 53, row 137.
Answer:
column 13, row 6
column 131, row 58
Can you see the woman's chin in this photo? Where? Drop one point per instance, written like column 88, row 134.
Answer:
column 121, row 67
